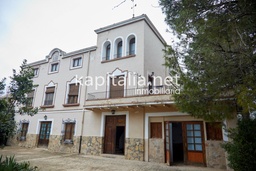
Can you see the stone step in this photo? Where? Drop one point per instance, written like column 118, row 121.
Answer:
column 115, row 156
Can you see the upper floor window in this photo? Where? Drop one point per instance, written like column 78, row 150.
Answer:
column 30, row 97
column 131, row 45
column 54, row 67
column 36, row 71
column 106, row 52
column 119, row 49
column 73, row 93
column 49, row 94
column 77, row 62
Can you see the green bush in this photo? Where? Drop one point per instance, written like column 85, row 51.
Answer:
column 10, row 164
column 242, row 149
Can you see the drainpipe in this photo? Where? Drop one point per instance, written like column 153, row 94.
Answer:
column 82, row 127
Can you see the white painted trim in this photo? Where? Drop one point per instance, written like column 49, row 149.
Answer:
column 103, row 48
column 127, row 42
column 39, row 124
column 160, row 114
column 115, row 46
column 117, row 72
column 60, row 111
column 103, row 116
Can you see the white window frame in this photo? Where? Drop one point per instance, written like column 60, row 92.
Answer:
column 51, row 84
column 73, row 60
column 37, row 73
column 73, row 81
column 54, row 63
column 103, row 50
column 117, row 40
column 128, row 38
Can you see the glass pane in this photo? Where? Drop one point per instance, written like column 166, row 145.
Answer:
column 190, row 133
column 197, row 127
column 167, row 133
column 190, row 140
column 189, row 127
column 166, row 126
column 197, row 133
column 198, row 140
column 167, row 146
column 199, row 147
column 191, row 147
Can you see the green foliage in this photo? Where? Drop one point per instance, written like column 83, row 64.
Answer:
column 215, row 56
column 15, row 101
column 10, row 164
column 242, row 150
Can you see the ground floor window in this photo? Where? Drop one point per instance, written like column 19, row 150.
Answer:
column 24, row 130
column 69, row 132
column 214, row 131
column 155, row 130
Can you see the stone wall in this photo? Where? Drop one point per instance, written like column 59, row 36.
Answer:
column 134, row 149
column 156, row 150
column 30, row 142
column 215, row 155
column 92, row 145
column 57, row 145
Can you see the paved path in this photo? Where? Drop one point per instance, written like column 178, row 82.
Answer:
column 49, row 161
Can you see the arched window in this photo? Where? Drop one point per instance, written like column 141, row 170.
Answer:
column 132, row 47
column 119, row 49
column 108, row 52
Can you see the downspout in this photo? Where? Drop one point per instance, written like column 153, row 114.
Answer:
column 82, row 127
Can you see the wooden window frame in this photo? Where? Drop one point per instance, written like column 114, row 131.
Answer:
column 73, row 97
column 69, row 134
column 214, row 131
column 156, row 130
column 49, row 90
column 24, row 131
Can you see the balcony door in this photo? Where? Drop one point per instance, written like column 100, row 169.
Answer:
column 116, row 87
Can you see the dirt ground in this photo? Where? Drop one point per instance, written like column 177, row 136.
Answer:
column 50, row 161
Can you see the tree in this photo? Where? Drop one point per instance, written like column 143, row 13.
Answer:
column 215, row 56
column 216, row 60
column 242, row 149
column 15, row 101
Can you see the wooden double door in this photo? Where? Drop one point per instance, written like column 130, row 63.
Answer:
column 184, row 143
column 44, row 134
column 114, row 139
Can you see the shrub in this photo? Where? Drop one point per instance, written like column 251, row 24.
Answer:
column 10, row 164
column 242, row 149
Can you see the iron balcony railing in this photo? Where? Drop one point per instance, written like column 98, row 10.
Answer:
column 153, row 90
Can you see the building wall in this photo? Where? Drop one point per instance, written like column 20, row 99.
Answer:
column 154, row 56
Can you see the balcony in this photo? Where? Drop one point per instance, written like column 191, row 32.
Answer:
column 130, row 97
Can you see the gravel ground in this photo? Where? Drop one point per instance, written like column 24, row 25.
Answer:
column 51, row 161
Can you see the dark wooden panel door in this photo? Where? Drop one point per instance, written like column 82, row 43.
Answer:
column 194, row 142
column 109, row 140
column 44, row 133
column 111, row 131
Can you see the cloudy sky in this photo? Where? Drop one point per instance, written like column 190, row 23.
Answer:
column 30, row 29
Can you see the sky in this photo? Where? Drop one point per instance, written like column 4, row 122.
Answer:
column 30, row 29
